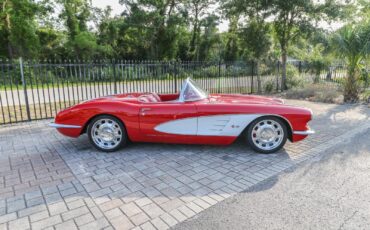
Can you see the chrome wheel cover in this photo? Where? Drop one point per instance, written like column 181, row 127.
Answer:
column 267, row 134
column 106, row 133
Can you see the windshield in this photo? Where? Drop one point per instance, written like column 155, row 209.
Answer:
column 192, row 91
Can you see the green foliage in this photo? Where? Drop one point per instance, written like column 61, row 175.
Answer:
column 267, row 68
column 365, row 96
column 255, row 38
column 353, row 44
column 173, row 29
column 18, row 28
column 50, row 43
column 156, row 22
column 232, row 41
column 85, row 44
column 317, row 61
column 293, row 78
column 76, row 14
column 269, row 86
column 209, row 40
column 365, row 78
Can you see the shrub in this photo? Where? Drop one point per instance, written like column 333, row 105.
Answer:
column 365, row 78
column 266, row 68
column 269, row 86
column 365, row 96
column 293, row 80
column 317, row 92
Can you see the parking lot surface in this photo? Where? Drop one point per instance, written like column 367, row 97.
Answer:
column 48, row 181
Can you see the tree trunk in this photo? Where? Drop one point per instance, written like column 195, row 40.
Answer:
column 351, row 88
column 283, row 69
column 194, row 36
column 10, row 50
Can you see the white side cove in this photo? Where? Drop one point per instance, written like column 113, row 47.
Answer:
column 218, row 125
column 186, row 126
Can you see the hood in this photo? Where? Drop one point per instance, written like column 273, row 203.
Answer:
column 245, row 99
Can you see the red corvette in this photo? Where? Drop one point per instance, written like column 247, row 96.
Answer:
column 190, row 117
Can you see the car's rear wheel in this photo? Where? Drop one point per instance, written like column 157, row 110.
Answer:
column 107, row 133
column 267, row 134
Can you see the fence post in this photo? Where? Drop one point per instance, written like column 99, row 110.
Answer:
column 24, row 89
column 219, row 68
column 259, row 90
column 176, row 75
column 278, row 76
column 114, row 76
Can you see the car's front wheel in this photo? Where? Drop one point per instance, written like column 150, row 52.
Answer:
column 107, row 133
column 267, row 134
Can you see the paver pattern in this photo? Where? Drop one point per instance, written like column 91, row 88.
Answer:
column 48, row 181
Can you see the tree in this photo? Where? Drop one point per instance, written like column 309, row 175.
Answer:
column 313, row 50
column 158, row 21
column 76, row 14
column 51, row 43
column 256, row 39
column 353, row 44
column 254, row 35
column 208, row 40
column 167, row 29
column 232, row 43
column 318, row 61
column 360, row 12
column 198, row 10
column 183, row 43
column 18, row 28
column 295, row 18
column 108, row 35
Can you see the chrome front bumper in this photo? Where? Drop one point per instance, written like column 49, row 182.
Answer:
column 54, row 125
column 307, row 132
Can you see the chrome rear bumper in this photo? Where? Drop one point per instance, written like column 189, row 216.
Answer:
column 54, row 125
column 307, row 132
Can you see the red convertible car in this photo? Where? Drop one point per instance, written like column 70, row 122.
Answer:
column 190, row 117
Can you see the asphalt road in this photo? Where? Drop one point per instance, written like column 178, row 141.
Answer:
column 330, row 191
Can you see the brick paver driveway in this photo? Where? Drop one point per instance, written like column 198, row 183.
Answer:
column 50, row 181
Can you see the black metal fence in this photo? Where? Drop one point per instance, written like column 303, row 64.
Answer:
column 31, row 90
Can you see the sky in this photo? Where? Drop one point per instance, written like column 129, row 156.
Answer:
column 116, row 7
column 223, row 26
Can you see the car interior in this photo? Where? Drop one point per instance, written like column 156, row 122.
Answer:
column 190, row 92
column 155, row 98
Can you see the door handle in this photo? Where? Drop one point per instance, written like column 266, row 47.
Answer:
column 143, row 110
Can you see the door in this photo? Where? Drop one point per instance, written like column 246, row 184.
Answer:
column 171, row 122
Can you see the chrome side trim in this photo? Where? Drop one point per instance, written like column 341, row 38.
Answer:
column 54, row 125
column 213, row 125
column 307, row 132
